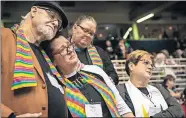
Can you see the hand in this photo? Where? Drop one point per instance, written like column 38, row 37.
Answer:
column 30, row 115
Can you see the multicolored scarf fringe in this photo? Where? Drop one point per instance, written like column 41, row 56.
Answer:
column 96, row 60
column 76, row 100
column 23, row 72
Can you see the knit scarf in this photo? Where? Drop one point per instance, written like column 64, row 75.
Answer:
column 23, row 71
column 94, row 56
column 76, row 100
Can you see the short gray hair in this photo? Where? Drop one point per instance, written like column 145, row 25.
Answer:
column 24, row 18
column 85, row 17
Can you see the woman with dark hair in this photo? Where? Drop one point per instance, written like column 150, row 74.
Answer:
column 121, row 50
column 169, row 84
column 88, row 90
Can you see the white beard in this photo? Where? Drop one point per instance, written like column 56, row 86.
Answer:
column 48, row 33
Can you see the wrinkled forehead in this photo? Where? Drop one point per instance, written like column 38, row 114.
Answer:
column 87, row 22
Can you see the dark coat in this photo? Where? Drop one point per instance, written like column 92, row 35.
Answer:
column 107, row 64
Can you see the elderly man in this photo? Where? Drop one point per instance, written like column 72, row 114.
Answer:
column 143, row 99
column 83, row 32
column 89, row 92
column 28, row 88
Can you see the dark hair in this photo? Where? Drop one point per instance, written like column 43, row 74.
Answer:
column 165, row 80
column 134, row 57
column 46, row 46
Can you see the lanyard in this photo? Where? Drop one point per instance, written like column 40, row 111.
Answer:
column 149, row 97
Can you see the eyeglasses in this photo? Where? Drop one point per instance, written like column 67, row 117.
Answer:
column 69, row 49
column 87, row 31
column 146, row 62
column 52, row 15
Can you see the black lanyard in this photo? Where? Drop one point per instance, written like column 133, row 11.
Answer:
column 149, row 97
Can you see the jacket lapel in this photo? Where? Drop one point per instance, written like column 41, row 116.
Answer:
column 37, row 66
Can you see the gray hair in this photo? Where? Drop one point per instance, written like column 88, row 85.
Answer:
column 85, row 17
column 24, row 18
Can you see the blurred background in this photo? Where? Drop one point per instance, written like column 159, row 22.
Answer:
column 155, row 26
column 118, row 20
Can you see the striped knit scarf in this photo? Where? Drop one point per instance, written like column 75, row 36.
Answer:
column 76, row 100
column 23, row 71
column 94, row 56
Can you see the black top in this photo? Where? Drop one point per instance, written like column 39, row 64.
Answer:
column 107, row 64
column 91, row 94
column 144, row 90
column 56, row 103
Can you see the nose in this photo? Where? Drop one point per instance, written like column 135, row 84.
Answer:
column 150, row 67
column 70, row 49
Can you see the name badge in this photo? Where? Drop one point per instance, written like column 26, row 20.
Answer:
column 154, row 110
column 93, row 110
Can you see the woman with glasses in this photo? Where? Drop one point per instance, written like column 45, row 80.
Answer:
column 142, row 98
column 88, row 90
column 83, row 32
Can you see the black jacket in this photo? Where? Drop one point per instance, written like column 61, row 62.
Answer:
column 107, row 64
column 174, row 108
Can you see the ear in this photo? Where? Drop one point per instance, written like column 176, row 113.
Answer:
column 131, row 66
column 33, row 11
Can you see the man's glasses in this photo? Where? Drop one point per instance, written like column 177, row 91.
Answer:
column 146, row 62
column 52, row 15
column 87, row 31
column 69, row 49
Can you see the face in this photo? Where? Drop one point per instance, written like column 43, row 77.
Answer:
column 160, row 58
column 170, row 83
column 64, row 55
column 143, row 69
column 108, row 43
column 83, row 33
column 121, row 45
column 45, row 21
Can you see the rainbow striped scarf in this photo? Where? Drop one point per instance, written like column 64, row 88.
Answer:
column 94, row 56
column 23, row 71
column 76, row 100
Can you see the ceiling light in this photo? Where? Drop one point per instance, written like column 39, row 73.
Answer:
column 127, row 33
column 145, row 18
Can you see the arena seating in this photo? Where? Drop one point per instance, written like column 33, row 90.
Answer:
column 157, row 75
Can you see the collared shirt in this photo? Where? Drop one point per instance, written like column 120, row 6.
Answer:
column 91, row 94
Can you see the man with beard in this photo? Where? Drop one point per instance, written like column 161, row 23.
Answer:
column 83, row 32
column 30, row 83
